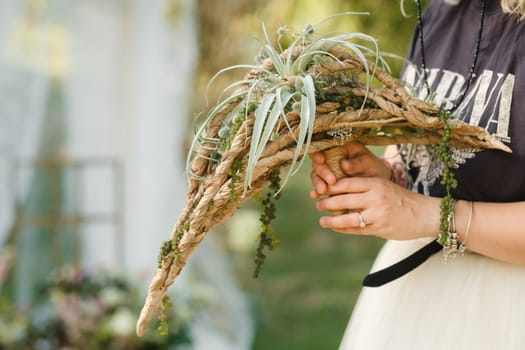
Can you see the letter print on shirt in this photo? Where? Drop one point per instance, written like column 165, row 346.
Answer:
column 487, row 105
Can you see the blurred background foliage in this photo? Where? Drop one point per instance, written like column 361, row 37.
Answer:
column 307, row 288
column 231, row 33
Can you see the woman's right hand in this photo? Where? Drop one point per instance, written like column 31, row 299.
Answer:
column 358, row 161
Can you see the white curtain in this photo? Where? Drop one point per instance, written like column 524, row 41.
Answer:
column 126, row 101
column 23, row 95
column 128, row 90
column 99, row 129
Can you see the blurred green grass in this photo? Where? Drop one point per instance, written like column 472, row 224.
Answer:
column 307, row 288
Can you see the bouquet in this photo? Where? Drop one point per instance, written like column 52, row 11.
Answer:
column 318, row 94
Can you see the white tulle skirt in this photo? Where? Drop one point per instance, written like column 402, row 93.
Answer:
column 471, row 302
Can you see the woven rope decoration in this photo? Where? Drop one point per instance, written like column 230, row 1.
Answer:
column 315, row 96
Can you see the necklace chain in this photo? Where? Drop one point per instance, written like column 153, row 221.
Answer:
column 474, row 59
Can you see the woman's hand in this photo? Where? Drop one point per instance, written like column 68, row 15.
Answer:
column 392, row 212
column 358, row 161
column 388, row 210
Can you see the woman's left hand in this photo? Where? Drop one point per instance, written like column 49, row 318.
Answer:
column 387, row 209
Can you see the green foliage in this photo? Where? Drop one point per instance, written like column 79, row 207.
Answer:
column 163, row 315
column 165, row 249
column 448, row 180
column 268, row 237
column 172, row 245
column 234, row 178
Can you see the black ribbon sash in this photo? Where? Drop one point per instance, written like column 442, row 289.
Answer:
column 388, row 274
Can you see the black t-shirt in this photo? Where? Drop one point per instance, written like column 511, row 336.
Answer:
column 495, row 100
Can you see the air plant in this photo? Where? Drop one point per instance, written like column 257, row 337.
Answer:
column 322, row 91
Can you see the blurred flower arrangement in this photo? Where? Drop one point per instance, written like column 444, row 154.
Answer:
column 76, row 310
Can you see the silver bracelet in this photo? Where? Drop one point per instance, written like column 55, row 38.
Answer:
column 463, row 246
